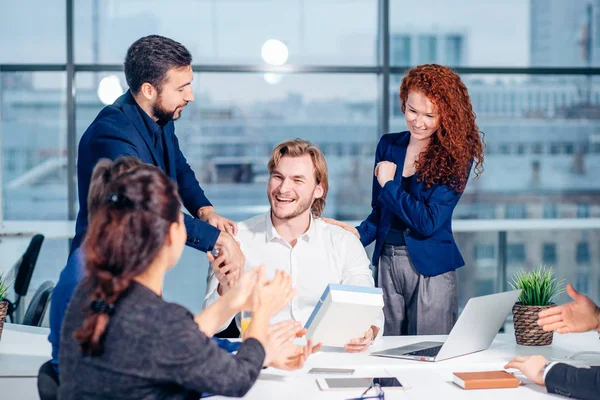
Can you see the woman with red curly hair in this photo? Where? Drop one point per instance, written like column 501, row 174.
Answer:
column 419, row 178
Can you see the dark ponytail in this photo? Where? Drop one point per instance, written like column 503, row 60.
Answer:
column 125, row 234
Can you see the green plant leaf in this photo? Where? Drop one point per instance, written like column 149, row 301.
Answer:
column 539, row 286
column 4, row 285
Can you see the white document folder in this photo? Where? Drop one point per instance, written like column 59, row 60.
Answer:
column 344, row 312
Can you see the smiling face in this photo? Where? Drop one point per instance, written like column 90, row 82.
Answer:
column 421, row 116
column 292, row 187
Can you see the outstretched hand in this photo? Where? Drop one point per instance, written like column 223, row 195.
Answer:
column 580, row 315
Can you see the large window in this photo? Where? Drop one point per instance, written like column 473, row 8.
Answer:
column 515, row 253
column 329, row 32
column 549, row 253
column 582, row 256
column 34, row 134
column 33, row 31
column 467, row 32
column 34, row 160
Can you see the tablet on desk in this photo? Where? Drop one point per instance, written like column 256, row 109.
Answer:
column 359, row 383
column 343, row 371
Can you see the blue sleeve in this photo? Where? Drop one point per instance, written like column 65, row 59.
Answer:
column 69, row 278
column 227, row 345
column 190, row 191
column 368, row 228
column 201, row 235
column 578, row 383
column 425, row 217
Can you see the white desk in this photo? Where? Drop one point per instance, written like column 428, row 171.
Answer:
column 24, row 349
column 427, row 380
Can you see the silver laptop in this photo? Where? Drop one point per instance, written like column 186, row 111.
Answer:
column 474, row 331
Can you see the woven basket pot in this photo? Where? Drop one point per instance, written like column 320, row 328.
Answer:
column 527, row 331
column 3, row 310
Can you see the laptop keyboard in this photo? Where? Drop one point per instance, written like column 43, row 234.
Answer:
column 430, row 352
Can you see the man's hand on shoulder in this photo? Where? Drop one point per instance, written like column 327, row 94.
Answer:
column 208, row 215
column 345, row 226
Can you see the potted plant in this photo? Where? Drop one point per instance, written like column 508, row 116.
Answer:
column 539, row 288
column 3, row 303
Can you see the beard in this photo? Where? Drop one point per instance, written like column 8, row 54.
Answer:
column 301, row 206
column 162, row 114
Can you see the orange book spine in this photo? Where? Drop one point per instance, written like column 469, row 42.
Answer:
column 485, row 380
column 491, row 384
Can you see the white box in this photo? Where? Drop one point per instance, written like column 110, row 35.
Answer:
column 344, row 312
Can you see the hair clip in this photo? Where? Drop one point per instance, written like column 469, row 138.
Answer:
column 102, row 307
column 119, row 200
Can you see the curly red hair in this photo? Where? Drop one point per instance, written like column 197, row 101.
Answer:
column 457, row 143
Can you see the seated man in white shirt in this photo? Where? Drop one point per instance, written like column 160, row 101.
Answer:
column 292, row 237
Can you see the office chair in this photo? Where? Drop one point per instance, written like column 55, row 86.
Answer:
column 24, row 270
column 47, row 382
column 38, row 305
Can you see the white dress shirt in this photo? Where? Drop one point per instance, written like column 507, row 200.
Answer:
column 324, row 254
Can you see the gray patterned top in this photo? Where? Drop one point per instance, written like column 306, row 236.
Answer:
column 152, row 350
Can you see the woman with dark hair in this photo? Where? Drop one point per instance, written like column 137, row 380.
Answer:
column 104, row 172
column 133, row 344
column 411, row 219
column 74, row 270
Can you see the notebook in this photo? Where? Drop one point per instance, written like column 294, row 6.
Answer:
column 485, row 380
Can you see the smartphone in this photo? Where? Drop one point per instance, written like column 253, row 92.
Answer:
column 343, row 371
column 358, row 383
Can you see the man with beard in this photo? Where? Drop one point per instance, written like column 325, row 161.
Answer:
column 140, row 124
column 293, row 237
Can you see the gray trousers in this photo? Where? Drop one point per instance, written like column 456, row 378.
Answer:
column 415, row 304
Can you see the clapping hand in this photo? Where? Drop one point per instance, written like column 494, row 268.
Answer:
column 282, row 352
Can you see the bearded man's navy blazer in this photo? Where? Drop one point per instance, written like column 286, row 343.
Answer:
column 120, row 130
